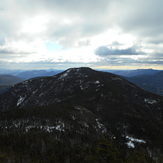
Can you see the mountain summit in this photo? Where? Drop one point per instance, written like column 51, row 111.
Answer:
column 120, row 108
column 79, row 86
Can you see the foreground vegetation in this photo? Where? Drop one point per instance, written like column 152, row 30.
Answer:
column 43, row 148
column 25, row 138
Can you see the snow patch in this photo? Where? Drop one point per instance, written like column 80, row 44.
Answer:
column 130, row 144
column 65, row 74
column 135, row 140
column 116, row 78
column 59, row 127
column 131, row 141
column 97, row 82
column 21, row 99
column 101, row 126
column 150, row 101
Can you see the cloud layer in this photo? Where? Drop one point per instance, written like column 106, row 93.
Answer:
column 105, row 51
column 90, row 32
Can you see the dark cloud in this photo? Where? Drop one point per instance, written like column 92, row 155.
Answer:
column 14, row 56
column 87, row 17
column 14, row 52
column 105, row 51
column 157, row 56
column 117, row 61
column 6, row 52
column 142, row 19
column 67, row 21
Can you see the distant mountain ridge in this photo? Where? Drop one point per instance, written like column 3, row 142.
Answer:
column 13, row 72
column 37, row 73
column 131, row 73
column 26, row 74
column 152, row 83
column 10, row 77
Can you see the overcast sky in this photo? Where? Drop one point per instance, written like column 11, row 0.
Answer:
column 111, row 34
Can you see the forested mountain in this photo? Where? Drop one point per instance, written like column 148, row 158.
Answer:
column 152, row 83
column 6, row 81
column 9, row 80
column 80, row 115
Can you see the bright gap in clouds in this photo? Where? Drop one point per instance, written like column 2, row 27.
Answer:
column 111, row 36
column 55, row 52
column 53, row 47
column 39, row 50
column 34, row 25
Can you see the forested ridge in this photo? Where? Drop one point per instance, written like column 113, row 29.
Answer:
column 80, row 115
column 25, row 137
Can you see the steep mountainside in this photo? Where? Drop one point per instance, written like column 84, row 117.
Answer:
column 120, row 106
column 76, row 107
column 152, row 83
column 80, row 86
